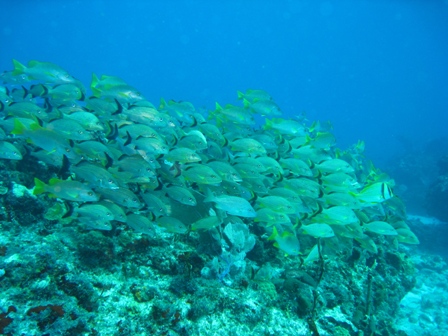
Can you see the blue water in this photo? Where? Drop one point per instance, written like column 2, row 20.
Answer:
column 376, row 69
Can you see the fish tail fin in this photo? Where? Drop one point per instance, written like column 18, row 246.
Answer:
column 96, row 92
column 274, row 234
column 267, row 125
column 39, row 187
column 95, row 81
column 209, row 197
column 19, row 128
column 246, row 103
column 163, row 103
column 19, row 68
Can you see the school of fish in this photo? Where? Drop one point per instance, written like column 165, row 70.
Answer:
column 121, row 159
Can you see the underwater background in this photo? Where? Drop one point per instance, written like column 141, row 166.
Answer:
column 377, row 70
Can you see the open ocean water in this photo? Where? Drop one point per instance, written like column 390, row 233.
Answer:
column 371, row 71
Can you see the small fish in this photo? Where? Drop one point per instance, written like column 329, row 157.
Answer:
column 271, row 217
column 68, row 190
column 96, row 175
column 374, row 193
column 106, row 81
column 263, row 107
column 181, row 195
column 287, row 242
column 296, row 167
column 70, row 129
column 87, row 120
column 117, row 211
column 323, row 140
column 121, row 196
column 318, row 230
column 9, row 151
column 276, row 203
column 225, row 170
column 44, row 138
column 155, row 204
column 253, row 95
column 94, row 212
column 140, row 224
column 123, row 93
column 249, row 146
column 44, row 71
column 233, row 115
column 380, row 227
column 182, row 155
column 201, row 174
column 407, row 236
column 233, row 205
column 366, row 242
column 285, row 126
column 337, row 215
column 206, row 223
column 194, row 140
column 335, row 166
column 172, row 225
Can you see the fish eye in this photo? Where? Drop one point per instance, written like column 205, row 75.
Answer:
column 80, row 132
column 160, row 119
column 90, row 193
column 67, row 150
column 110, row 181
column 190, row 199
column 134, row 200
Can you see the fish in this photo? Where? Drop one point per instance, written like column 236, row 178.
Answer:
column 286, row 241
column 87, row 120
column 140, row 224
column 254, row 95
column 374, row 193
column 206, row 223
column 380, row 227
column 276, row 203
column 318, row 230
column 271, row 216
column 263, row 107
column 285, row 126
column 181, row 195
column 156, row 204
column 248, row 146
column 182, row 155
column 336, row 215
column 232, row 205
column 172, row 225
column 121, row 196
column 95, row 175
column 201, row 174
column 115, row 157
column 96, row 212
column 65, row 189
column 46, row 139
column 44, row 71
column 9, row 151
